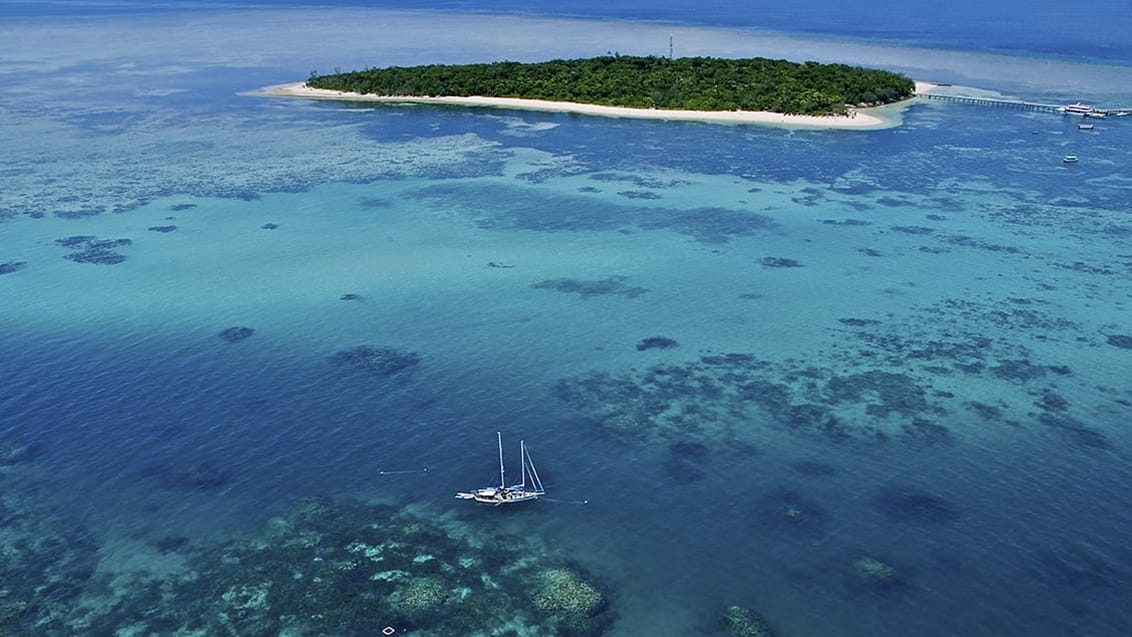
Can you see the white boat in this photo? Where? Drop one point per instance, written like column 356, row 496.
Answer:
column 1096, row 114
column 503, row 494
column 1070, row 159
column 1077, row 108
column 1084, row 127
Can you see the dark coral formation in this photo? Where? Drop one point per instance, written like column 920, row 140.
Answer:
column 858, row 322
column 911, row 505
column 350, row 297
column 269, row 226
column 549, row 211
column 685, row 462
column 9, row 267
column 90, row 249
column 656, row 342
column 614, row 285
column 813, row 468
column 188, row 476
column 162, row 229
column 80, row 213
column 638, row 194
column 971, row 242
column 171, row 543
column 379, row 361
column 778, row 262
column 236, row 334
column 1023, row 371
column 1073, row 431
column 1123, row 341
column 790, row 514
column 886, row 392
column 14, row 453
column 740, row 393
column 913, row 229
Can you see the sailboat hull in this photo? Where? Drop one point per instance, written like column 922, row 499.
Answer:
column 501, row 494
column 497, row 496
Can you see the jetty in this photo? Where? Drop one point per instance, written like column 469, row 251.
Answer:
column 1029, row 106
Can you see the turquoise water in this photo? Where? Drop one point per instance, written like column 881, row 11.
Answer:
column 908, row 346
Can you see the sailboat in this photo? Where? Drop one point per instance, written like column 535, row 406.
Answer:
column 504, row 494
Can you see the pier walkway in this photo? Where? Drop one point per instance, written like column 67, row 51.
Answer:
column 1019, row 104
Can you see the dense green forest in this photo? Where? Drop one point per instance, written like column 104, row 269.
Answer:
column 696, row 83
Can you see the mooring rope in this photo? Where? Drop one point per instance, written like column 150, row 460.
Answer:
column 566, row 501
column 391, row 473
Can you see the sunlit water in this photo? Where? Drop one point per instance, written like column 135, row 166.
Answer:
column 917, row 339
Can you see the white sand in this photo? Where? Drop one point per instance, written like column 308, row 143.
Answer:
column 861, row 119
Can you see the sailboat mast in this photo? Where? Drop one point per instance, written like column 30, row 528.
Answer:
column 499, row 437
column 523, row 458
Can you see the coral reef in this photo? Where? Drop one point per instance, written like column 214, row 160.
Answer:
column 894, row 392
column 585, row 289
column 162, row 229
column 566, row 600
column 380, row 361
column 739, row 621
column 89, row 249
column 328, row 567
column 729, row 397
column 419, row 598
column 790, row 514
column 48, row 561
column 190, row 476
column 813, row 468
column 778, row 262
column 527, row 210
column 14, row 453
column 1074, row 431
column 1123, row 341
column 874, row 573
column 9, row 267
column 236, row 334
column 908, row 504
column 685, row 461
column 638, row 194
column 350, row 297
column 656, row 342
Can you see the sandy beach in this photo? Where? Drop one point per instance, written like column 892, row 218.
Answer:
column 861, row 119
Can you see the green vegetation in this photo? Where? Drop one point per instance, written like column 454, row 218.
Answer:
column 702, row 84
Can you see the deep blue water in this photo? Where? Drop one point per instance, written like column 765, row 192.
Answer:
column 905, row 348
column 1059, row 29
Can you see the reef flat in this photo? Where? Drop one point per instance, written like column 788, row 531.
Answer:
column 327, row 567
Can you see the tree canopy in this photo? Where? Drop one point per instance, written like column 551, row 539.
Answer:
column 693, row 83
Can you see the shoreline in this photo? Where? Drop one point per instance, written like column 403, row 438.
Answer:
column 876, row 118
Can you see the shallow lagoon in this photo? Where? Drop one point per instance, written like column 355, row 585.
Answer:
column 905, row 346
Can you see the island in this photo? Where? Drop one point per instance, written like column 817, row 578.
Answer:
column 758, row 90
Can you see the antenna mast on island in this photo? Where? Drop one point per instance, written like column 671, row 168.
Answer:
column 669, row 46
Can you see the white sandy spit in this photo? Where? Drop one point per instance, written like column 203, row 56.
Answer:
column 860, row 119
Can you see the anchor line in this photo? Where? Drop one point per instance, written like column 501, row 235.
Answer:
column 565, row 501
column 391, row 473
